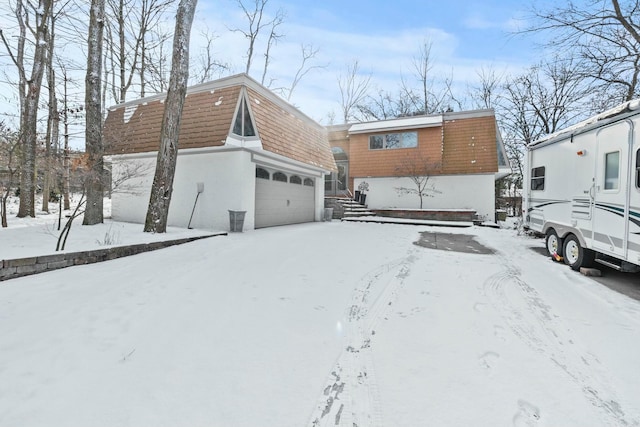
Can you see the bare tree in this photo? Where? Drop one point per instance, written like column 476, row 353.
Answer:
column 128, row 41
column 419, row 169
column 53, row 119
column 274, row 36
column 385, row 105
column 423, row 65
column 157, row 62
column 353, row 91
column 8, row 168
column 208, row 65
column 255, row 16
column 431, row 96
column 158, row 211
column 487, row 93
column 604, row 35
column 34, row 18
column 93, row 106
column 307, row 53
column 545, row 99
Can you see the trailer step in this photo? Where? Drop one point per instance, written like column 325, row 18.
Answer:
column 609, row 264
column 620, row 265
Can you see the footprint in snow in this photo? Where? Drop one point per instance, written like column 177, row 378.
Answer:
column 499, row 332
column 527, row 415
column 488, row 359
column 479, row 307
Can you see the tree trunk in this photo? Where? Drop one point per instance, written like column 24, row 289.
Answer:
column 93, row 213
column 51, row 122
column 158, row 211
column 29, row 114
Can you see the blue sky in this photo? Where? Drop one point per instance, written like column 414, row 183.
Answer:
column 466, row 36
column 383, row 37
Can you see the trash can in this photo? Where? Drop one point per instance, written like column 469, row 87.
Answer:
column 236, row 220
column 328, row 214
column 501, row 215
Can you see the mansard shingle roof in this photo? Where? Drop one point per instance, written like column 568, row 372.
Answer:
column 134, row 127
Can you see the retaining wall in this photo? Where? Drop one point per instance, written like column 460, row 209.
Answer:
column 12, row 268
column 428, row 214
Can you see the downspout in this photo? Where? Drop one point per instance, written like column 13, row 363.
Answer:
column 442, row 142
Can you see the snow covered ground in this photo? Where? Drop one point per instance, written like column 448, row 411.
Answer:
column 318, row 324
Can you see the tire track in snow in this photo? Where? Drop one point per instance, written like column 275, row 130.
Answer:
column 536, row 325
column 350, row 396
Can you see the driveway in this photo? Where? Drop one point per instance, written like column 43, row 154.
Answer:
column 321, row 324
column 625, row 283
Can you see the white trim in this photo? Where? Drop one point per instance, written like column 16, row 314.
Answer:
column 258, row 156
column 275, row 161
column 226, row 82
column 234, row 140
column 181, row 151
column 397, row 124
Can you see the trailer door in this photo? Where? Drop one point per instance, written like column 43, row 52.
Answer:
column 611, row 190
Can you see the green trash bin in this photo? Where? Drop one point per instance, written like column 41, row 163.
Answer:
column 236, row 220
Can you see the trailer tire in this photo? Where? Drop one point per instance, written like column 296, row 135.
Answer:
column 575, row 256
column 553, row 244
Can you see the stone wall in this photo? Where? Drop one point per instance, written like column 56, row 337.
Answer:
column 12, row 268
column 428, row 214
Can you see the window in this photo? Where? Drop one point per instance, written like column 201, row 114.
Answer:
column 638, row 169
column 339, row 154
column 393, row 140
column 243, row 125
column 308, row 182
column 611, row 170
column 295, row 179
column 279, row 176
column 262, row 173
column 537, row 178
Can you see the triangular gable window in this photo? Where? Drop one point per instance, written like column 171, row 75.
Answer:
column 243, row 123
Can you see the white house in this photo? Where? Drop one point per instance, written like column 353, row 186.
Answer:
column 241, row 148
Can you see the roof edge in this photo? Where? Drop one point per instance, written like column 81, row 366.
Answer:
column 241, row 79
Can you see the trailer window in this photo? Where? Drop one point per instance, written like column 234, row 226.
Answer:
column 611, row 170
column 638, row 169
column 537, row 178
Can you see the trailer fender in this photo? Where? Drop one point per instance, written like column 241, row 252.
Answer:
column 563, row 230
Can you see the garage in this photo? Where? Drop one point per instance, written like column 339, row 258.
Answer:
column 283, row 198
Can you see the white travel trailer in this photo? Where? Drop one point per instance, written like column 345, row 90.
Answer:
column 582, row 190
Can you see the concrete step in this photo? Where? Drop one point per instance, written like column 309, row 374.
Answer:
column 358, row 213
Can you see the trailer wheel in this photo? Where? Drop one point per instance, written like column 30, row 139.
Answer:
column 575, row 256
column 553, row 244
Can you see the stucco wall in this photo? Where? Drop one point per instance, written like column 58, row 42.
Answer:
column 229, row 183
column 452, row 192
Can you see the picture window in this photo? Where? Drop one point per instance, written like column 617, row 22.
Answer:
column 391, row 141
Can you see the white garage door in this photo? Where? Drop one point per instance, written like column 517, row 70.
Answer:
column 280, row 203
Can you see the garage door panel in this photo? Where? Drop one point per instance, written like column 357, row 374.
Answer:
column 280, row 203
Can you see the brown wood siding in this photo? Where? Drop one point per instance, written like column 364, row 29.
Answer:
column 283, row 133
column 470, row 146
column 365, row 162
column 204, row 123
